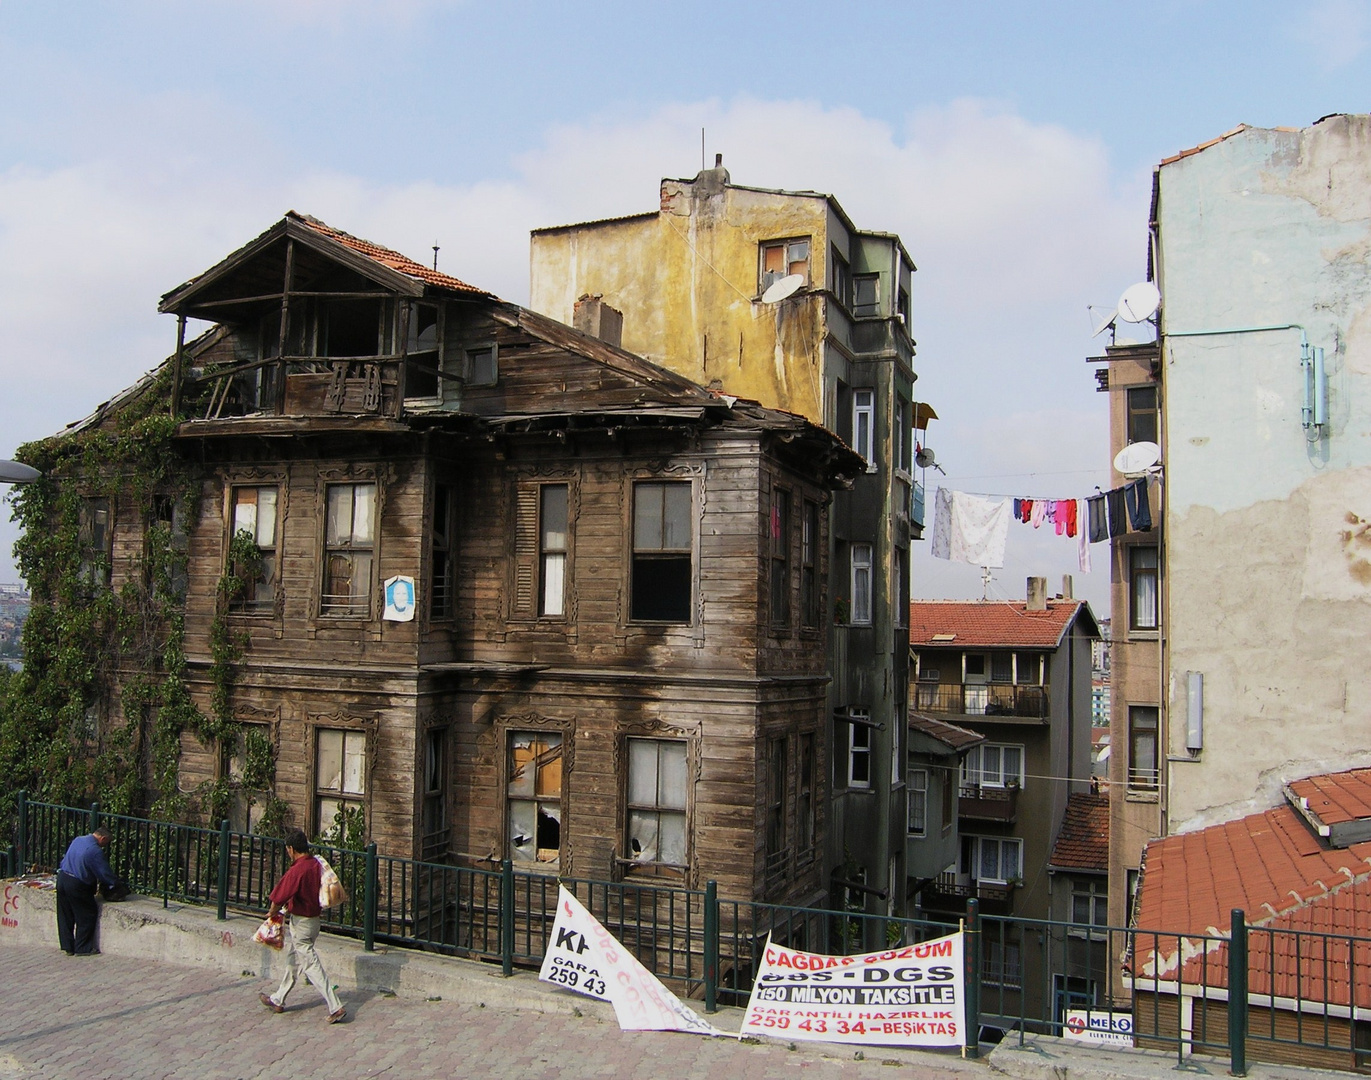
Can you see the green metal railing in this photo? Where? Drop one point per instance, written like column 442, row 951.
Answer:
column 1191, row 993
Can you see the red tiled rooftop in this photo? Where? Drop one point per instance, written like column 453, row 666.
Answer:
column 1335, row 798
column 1283, row 877
column 980, row 624
column 386, row 257
column 1083, row 843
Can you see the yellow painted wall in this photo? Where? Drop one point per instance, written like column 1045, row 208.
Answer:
column 686, row 280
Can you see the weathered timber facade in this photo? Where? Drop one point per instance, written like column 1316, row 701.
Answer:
column 590, row 679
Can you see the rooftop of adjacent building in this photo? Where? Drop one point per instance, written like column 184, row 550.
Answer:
column 950, row 735
column 985, row 624
column 1083, row 842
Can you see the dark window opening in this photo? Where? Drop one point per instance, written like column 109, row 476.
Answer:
column 421, row 356
column 1142, row 414
column 662, row 552
column 866, row 294
column 350, row 328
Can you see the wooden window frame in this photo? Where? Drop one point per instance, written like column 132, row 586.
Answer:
column 864, row 409
column 810, row 540
column 787, row 247
column 633, row 865
column 859, row 749
column 442, row 598
column 639, row 558
column 779, row 528
column 318, row 793
column 365, row 611
column 550, row 553
column 862, row 616
column 532, row 728
column 257, row 606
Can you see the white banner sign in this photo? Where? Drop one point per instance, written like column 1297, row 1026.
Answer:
column 1109, row 1029
column 585, row 957
column 911, row 996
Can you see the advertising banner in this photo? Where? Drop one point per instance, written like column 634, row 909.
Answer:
column 585, row 957
column 907, row 996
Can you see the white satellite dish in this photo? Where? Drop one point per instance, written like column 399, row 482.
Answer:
column 779, row 290
column 13, row 472
column 1137, row 459
column 1139, row 302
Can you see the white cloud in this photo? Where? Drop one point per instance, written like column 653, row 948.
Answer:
column 1014, row 226
column 1336, row 30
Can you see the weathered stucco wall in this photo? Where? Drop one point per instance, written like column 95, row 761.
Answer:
column 687, row 285
column 1268, row 548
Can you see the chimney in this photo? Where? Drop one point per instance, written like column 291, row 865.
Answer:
column 1066, row 587
column 594, row 317
column 1037, row 594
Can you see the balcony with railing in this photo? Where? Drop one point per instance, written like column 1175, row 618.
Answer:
column 946, row 893
column 980, row 803
column 982, row 699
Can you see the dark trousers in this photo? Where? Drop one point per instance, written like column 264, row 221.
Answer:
column 77, row 915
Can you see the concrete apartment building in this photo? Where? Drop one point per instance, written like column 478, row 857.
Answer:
column 685, row 285
column 1241, row 655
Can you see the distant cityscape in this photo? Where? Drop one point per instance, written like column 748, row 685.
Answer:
column 14, row 609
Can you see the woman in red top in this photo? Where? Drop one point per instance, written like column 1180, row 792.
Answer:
column 297, row 895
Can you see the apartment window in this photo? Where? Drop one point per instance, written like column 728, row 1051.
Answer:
column 1001, row 667
column 94, row 534
column 900, row 434
column 863, row 422
column 552, row 549
column 254, row 513
column 422, row 357
column 781, row 258
column 1028, row 669
column 662, row 552
column 483, row 365
column 866, row 294
column 809, row 557
column 902, row 307
column 840, row 277
column 994, row 765
column 657, row 802
column 859, row 749
column 443, row 551
column 1142, row 587
column 435, row 793
column 993, row 859
column 804, row 798
column 780, row 556
column 340, row 783
column 861, row 584
column 535, row 797
column 1090, row 903
column 349, row 542
column 1002, row 964
column 1143, row 768
column 918, row 802
column 1142, row 414
column 775, row 803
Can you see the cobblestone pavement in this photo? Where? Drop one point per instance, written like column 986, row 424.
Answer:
column 109, row 1016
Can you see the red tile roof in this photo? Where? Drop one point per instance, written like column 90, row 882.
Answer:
column 980, row 624
column 1272, row 867
column 1083, row 843
column 1334, row 799
column 950, row 735
column 386, row 257
column 1214, row 142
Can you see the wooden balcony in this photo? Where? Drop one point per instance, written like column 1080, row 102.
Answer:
column 982, row 699
column 1000, row 804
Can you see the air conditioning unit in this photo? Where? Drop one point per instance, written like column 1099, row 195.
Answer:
column 929, row 674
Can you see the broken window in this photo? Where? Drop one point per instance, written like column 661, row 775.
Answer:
column 662, row 551
column 349, row 328
column 443, row 570
column 340, row 782
column 809, row 578
column 247, row 769
column 435, row 794
column 535, row 797
column 866, row 294
column 349, row 539
column 552, row 549
column 254, row 513
column 422, row 356
column 95, row 534
column 780, row 557
column 781, row 258
column 657, row 802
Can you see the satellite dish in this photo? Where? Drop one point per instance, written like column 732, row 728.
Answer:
column 779, row 290
column 12, row 472
column 1105, row 324
column 1137, row 458
column 924, row 458
column 1139, row 302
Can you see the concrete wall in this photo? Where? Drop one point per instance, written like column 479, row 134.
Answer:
column 1268, row 545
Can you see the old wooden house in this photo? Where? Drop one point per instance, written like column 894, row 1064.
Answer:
column 516, row 595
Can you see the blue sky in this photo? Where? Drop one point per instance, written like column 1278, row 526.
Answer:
column 1009, row 144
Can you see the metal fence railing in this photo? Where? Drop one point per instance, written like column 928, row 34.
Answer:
column 1291, row 996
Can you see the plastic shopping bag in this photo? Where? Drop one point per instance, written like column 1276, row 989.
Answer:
column 271, row 933
column 331, row 891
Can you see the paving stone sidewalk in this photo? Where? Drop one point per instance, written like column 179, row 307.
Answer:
column 116, row 1017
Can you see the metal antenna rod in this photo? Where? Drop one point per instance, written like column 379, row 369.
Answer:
column 435, row 254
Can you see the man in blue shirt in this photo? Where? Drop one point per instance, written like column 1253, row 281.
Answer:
column 84, row 868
